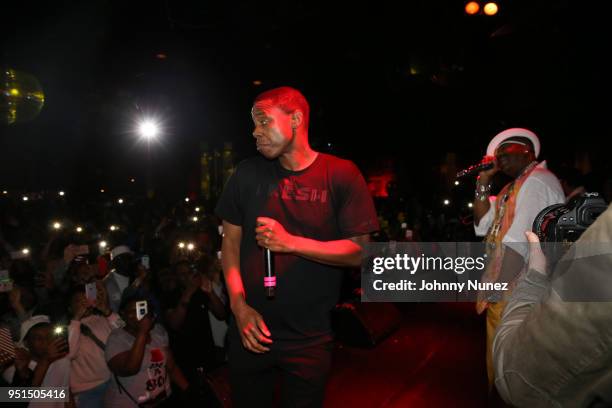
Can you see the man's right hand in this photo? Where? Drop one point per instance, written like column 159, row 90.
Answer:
column 485, row 176
column 253, row 330
column 482, row 206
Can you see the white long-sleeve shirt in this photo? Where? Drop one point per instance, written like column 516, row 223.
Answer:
column 540, row 190
column 87, row 362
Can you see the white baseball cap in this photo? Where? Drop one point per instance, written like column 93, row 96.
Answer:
column 28, row 324
column 120, row 250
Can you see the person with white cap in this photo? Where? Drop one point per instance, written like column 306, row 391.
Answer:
column 41, row 359
column 503, row 220
column 120, row 277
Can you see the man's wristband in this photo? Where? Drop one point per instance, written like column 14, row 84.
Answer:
column 482, row 191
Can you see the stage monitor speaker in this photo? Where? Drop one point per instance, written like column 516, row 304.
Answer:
column 365, row 324
column 215, row 389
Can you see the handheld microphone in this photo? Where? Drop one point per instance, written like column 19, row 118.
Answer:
column 269, row 275
column 476, row 168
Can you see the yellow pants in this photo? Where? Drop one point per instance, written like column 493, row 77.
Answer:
column 494, row 313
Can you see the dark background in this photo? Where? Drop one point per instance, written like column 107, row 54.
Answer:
column 394, row 85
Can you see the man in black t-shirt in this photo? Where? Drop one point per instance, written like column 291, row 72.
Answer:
column 313, row 211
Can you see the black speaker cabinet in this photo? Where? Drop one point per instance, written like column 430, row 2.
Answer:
column 365, row 324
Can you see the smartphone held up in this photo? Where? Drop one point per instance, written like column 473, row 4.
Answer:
column 141, row 309
column 91, row 293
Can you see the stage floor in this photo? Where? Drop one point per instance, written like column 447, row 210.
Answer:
column 435, row 359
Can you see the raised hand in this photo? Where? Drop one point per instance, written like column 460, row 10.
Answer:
column 145, row 325
column 194, row 281
column 537, row 259
column 486, row 175
column 80, row 306
column 206, row 285
column 102, row 303
column 58, row 348
column 22, row 359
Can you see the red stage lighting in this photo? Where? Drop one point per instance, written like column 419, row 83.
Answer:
column 472, row 8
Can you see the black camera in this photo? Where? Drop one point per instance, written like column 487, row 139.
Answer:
column 566, row 222
column 560, row 225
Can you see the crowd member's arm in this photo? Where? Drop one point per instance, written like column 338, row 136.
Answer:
column 23, row 374
column 128, row 363
column 215, row 304
column 103, row 305
column 344, row 252
column 74, row 338
column 52, row 278
column 78, row 307
column 531, row 288
column 175, row 317
column 175, row 373
column 572, row 340
column 251, row 326
column 57, row 349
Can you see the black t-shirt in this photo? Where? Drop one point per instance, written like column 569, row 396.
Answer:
column 327, row 201
column 192, row 344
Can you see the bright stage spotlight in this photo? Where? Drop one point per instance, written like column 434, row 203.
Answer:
column 148, row 129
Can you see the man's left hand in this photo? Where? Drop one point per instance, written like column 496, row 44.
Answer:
column 272, row 235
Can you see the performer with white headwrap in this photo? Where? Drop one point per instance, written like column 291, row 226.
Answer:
column 504, row 219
